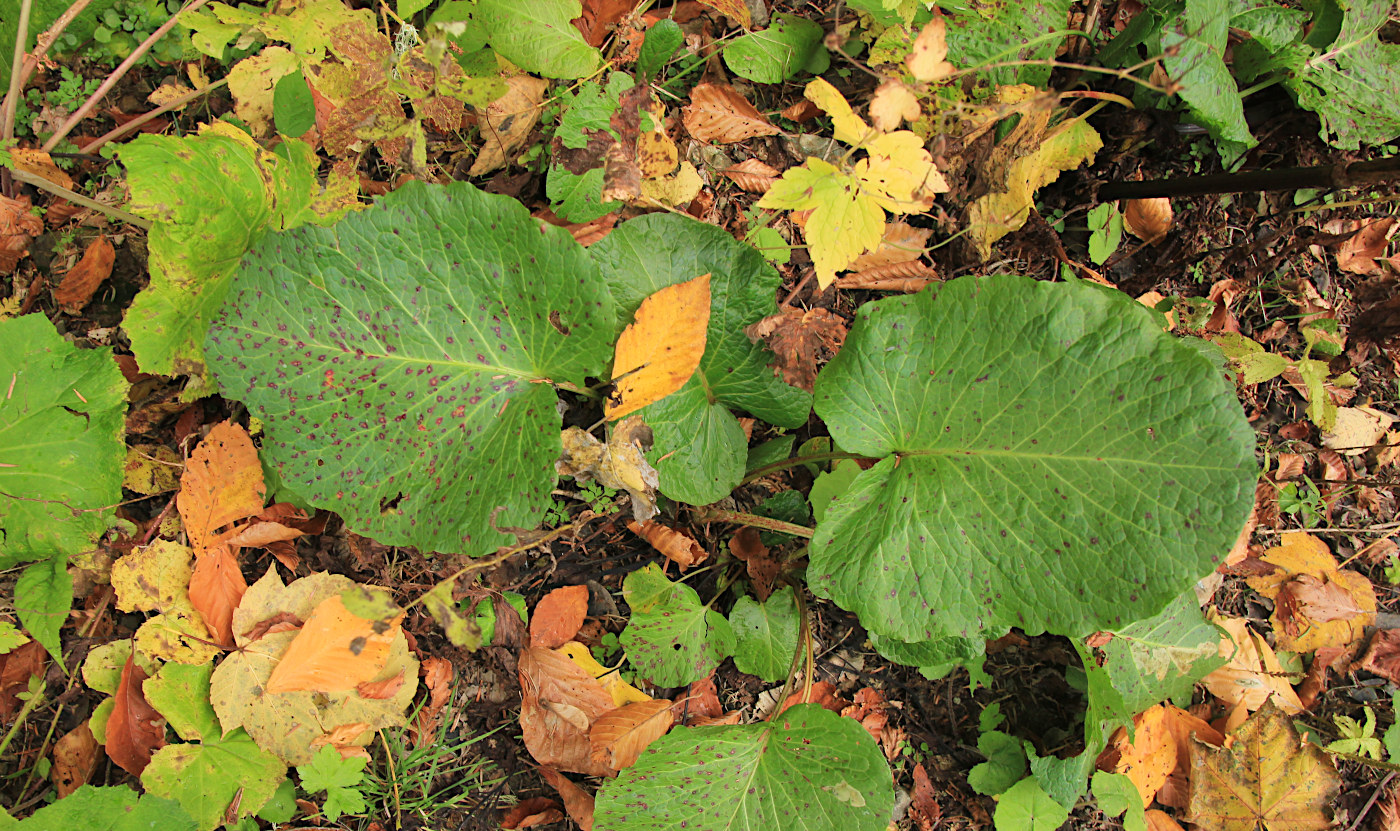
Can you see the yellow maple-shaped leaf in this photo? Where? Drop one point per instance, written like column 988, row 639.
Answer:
column 1316, row 604
column 926, row 58
column 334, row 651
column 892, row 103
column 849, row 128
column 1266, row 780
column 845, row 222
column 899, row 173
column 622, row 692
column 662, row 347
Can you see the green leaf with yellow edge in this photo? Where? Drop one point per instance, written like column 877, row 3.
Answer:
column 1268, row 779
column 997, row 214
column 153, row 579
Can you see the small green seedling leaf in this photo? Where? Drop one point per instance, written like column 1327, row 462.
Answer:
column 765, row 634
column 1005, row 765
column 1356, row 738
column 831, row 484
column 1105, row 232
column 339, row 778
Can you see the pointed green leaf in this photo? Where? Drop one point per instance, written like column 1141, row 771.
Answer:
column 777, row 53
column 538, row 36
column 43, row 596
column 765, row 634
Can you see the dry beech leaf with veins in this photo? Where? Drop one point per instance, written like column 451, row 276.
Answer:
column 893, row 103
column 662, row 347
column 215, row 590
column 717, row 112
column 678, row 547
column 908, row 277
column 622, row 692
column 1357, row 430
column 620, row 736
column 1316, row 605
column 1359, row 253
column 335, row 651
column 1148, row 219
column 1267, row 779
column 901, row 243
column 83, row 279
column 798, row 340
column 926, row 59
column 1254, row 674
column 552, row 686
column 537, row 810
column 558, row 616
column 752, row 175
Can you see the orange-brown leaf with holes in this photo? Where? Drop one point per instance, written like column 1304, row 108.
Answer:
column 678, row 547
column 577, row 801
column 557, row 696
column 799, row 341
column 216, row 588
column 222, row 483
column 335, row 651
column 74, row 758
column 620, row 736
column 83, row 279
column 717, row 112
column 134, row 730
column 659, row 351
column 558, row 616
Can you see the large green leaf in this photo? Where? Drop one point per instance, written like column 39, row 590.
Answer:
column 1050, row 459
column 401, row 361
column 61, row 453
column 1351, row 86
column 117, row 808
column 981, row 33
column 538, row 36
column 777, row 53
column 210, row 196
column 205, row 778
column 1162, row 658
column 700, row 449
column 807, row 770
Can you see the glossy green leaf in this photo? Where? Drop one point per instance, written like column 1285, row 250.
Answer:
column 672, row 638
column 43, row 596
column 765, row 634
column 777, row 53
column 62, row 417
column 700, row 450
column 1051, row 460
column 117, row 808
column 206, row 777
column 831, row 484
column 807, row 770
column 538, row 36
column 401, row 361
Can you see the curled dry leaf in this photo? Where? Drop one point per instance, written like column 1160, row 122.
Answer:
column 679, row 548
column 335, row 651
column 262, row 535
column 763, row 568
column 822, row 693
column 924, row 808
column 83, row 279
column 619, row 737
column 892, row 103
column 216, row 588
column 907, row 277
column 901, row 243
column 701, row 700
column 74, row 757
column 577, row 801
column 537, row 810
column 437, row 678
column 717, row 112
column 1358, row 254
column 134, row 729
column 558, row 616
column 222, row 484
column 1253, row 674
column 1383, row 655
column 799, row 340
column 1148, row 219
column 17, row 227
column 752, row 175
column 550, row 683
column 620, row 464
column 659, row 351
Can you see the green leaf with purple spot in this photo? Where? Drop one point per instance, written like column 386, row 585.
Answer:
column 672, row 638
column 402, row 361
column 806, row 770
column 1050, row 460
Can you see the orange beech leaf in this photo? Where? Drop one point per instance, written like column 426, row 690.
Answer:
column 1160, row 821
column 261, row 534
column 437, row 677
column 909, row 277
column 717, row 112
column 731, row 717
column 925, row 810
column 134, row 730
column 678, row 548
column 537, row 810
column 557, row 694
column 17, row 227
column 577, row 801
column 619, row 737
column 335, row 651
column 216, row 588
column 659, row 351
column 380, row 690
column 700, row 701
column 83, row 279
column 222, row 484
column 558, row 616
column 752, row 175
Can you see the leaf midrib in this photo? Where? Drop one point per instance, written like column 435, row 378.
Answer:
column 1059, row 457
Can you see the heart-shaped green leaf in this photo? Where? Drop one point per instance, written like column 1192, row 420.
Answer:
column 1050, row 459
column 402, row 359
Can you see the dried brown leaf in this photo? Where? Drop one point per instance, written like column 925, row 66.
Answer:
column 735, row 10
column 901, row 243
column 380, row 690
column 700, row 701
column 74, row 758
column 17, row 227
column 763, row 568
column 508, row 122
column 717, row 112
column 549, row 683
column 601, row 16
column 577, row 801
column 822, row 693
column 1148, row 219
column 752, row 175
column 1383, row 655
column 216, row 588
column 83, row 279
column 1359, row 253
column 537, row 810
column 678, row 547
column 222, row 484
column 620, row 736
column 558, row 616
column 907, row 277
column 799, row 341
column 134, row 730
column 39, row 163
column 924, row 810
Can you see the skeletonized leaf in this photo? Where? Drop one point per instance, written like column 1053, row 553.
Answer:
column 659, row 352
column 619, row 737
column 717, row 112
column 223, row 483
column 335, row 651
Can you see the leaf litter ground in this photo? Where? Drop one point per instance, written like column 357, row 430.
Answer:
column 1031, row 676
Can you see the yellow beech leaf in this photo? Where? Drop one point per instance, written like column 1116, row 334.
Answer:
column 660, row 350
column 677, row 189
column 849, row 127
column 1267, row 779
column 334, row 652
column 153, row 579
column 1316, row 604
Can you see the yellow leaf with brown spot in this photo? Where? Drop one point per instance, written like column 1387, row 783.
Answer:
column 508, row 122
column 335, row 651
column 1267, row 779
column 926, row 58
column 656, row 154
column 662, row 347
column 676, row 190
column 1316, row 604
column 153, row 579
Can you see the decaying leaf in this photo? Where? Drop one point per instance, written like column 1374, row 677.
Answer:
column 334, row 652
column 752, row 175
column 1359, row 254
column 620, row 736
column 554, row 689
column 75, row 756
column 926, row 59
column 558, row 616
column 577, row 801
column 1148, row 219
column 1254, row 674
column 537, row 810
column 1267, row 779
column 83, row 279
column 40, row 164
column 622, row 692
column 508, row 122
column 909, row 277
column 659, row 351
column 222, row 484
column 678, row 547
column 735, row 10
column 153, row 579
column 717, row 112
column 901, row 243
column 17, row 228
column 799, row 340
column 763, row 568
column 1316, row 605
column 1356, row 430
column 677, row 190
column 1383, row 655
column 437, row 677
column 134, row 730
column 620, row 464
